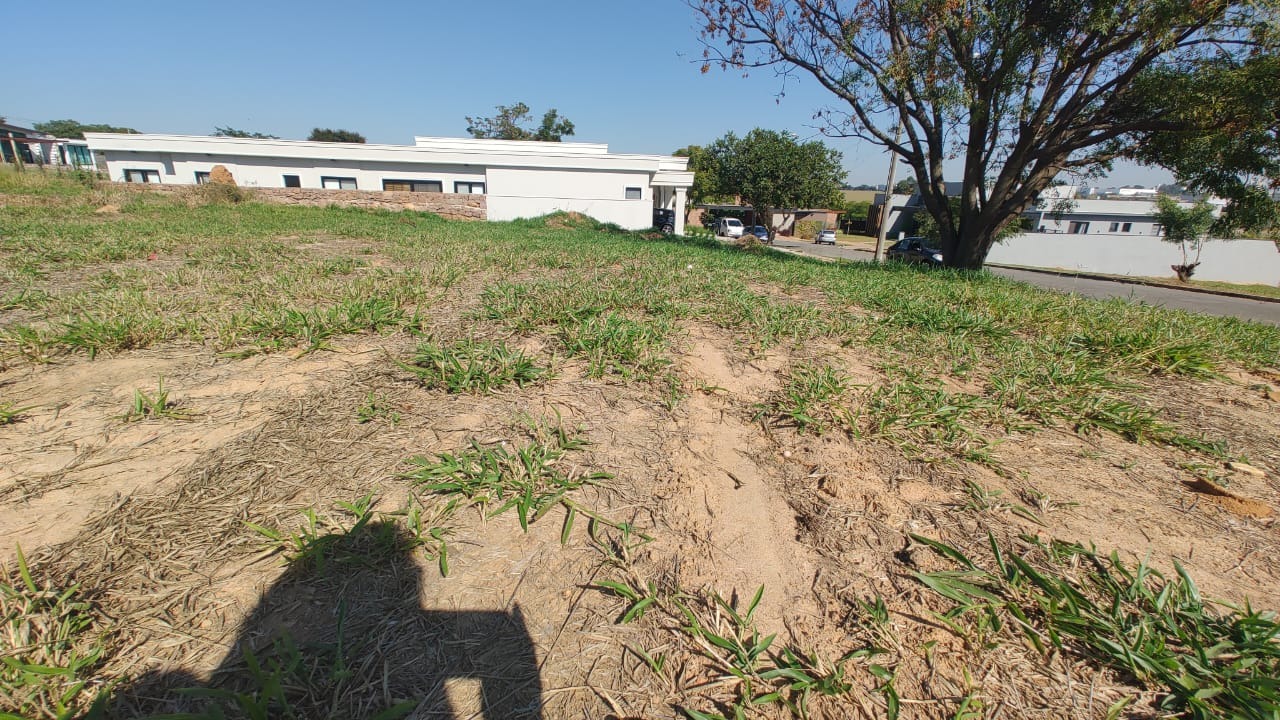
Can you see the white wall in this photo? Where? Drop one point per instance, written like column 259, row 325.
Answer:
column 527, row 192
column 513, row 192
column 180, row 169
column 1241, row 261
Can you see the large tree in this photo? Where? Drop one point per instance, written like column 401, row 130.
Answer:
column 237, row 133
column 1017, row 91
column 773, row 170
column 342, row 136
column 76, row 129
column 509, row 124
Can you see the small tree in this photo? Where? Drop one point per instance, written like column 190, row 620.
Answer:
column 508, row 123
column 235, row 133
column 771, row 170
column 1188, row 227
column 342, row 136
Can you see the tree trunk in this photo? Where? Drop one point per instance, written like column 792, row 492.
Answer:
column 970, row 248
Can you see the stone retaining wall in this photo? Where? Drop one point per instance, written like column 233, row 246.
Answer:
column 448, row 205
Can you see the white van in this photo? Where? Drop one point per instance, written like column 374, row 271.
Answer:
column 729, row 227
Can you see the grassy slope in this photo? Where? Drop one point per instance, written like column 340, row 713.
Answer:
column 238, row 278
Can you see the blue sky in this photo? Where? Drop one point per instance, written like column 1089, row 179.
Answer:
column 626, row 73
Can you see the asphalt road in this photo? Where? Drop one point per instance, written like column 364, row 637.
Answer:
column 1245, row 309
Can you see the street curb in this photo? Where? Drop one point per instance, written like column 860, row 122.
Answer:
column 1064, row 273
column 1135, row 281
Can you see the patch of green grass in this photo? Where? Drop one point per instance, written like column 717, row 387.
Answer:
column 530, row 479
column 473, row 366
column 1208, row 660
column 919, row 416
column 377, row 407
column 616, row 345
column 813, row 400
column 51, row 641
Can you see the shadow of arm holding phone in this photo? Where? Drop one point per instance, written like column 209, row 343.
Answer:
column 342, row 634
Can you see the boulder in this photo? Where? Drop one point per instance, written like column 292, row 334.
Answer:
column 221, row 175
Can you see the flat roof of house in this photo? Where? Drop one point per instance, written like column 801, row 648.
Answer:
column 448, row 151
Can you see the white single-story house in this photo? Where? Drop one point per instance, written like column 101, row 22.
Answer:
column 518, row 178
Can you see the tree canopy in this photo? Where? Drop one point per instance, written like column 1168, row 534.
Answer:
column 773, row 170
column 327, row 135
column 235, row 133
column 1227, row 139
column 76, row 129
column 1018, row 91
column 706, row 175
column 509, row 124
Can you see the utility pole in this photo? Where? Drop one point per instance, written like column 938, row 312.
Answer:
column 888, row 197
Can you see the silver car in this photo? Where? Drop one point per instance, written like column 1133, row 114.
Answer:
column 825, row 237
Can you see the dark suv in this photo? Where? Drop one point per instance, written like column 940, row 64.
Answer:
column 664, row 220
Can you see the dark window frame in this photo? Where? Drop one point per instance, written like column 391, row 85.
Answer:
column 297, row 181
column 639, row 193
column 413, row 185
column 471, row 187
column 128, row 172
column 203, row 176
column 354, row 183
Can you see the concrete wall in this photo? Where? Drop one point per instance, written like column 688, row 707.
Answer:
column 529, row 192
column 1241, row 261
column 448, row 205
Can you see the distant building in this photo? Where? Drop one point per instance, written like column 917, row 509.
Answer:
column 32, row 147
column 517, row 178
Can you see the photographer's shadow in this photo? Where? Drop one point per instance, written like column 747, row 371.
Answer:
column 344, row 636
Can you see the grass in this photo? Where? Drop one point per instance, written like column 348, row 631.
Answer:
column 473, row 366
column 813, row 400
column 1207, row 660
column 51, row 640
column 1270, row 291
column 11, row 413
column 154, row 406
column 963, row 358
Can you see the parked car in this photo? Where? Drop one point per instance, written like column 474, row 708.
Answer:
column 914, row 249
column 825, row 237
column 729, row 227
column 664, row 220
column 760, row 231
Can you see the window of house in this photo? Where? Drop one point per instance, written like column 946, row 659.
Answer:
column 469, row 188
column 338, row 183
column 1157, row 229
column 1078, row 228
column 413, row 186
column 142, row 176
column 1115, row 227
column 201, row 177
column 1127, row 227
column 633, row 193
column 292, row 181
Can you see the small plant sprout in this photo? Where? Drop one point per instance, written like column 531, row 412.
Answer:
column 10, row 413
column 147, row 406
column 376, row 406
